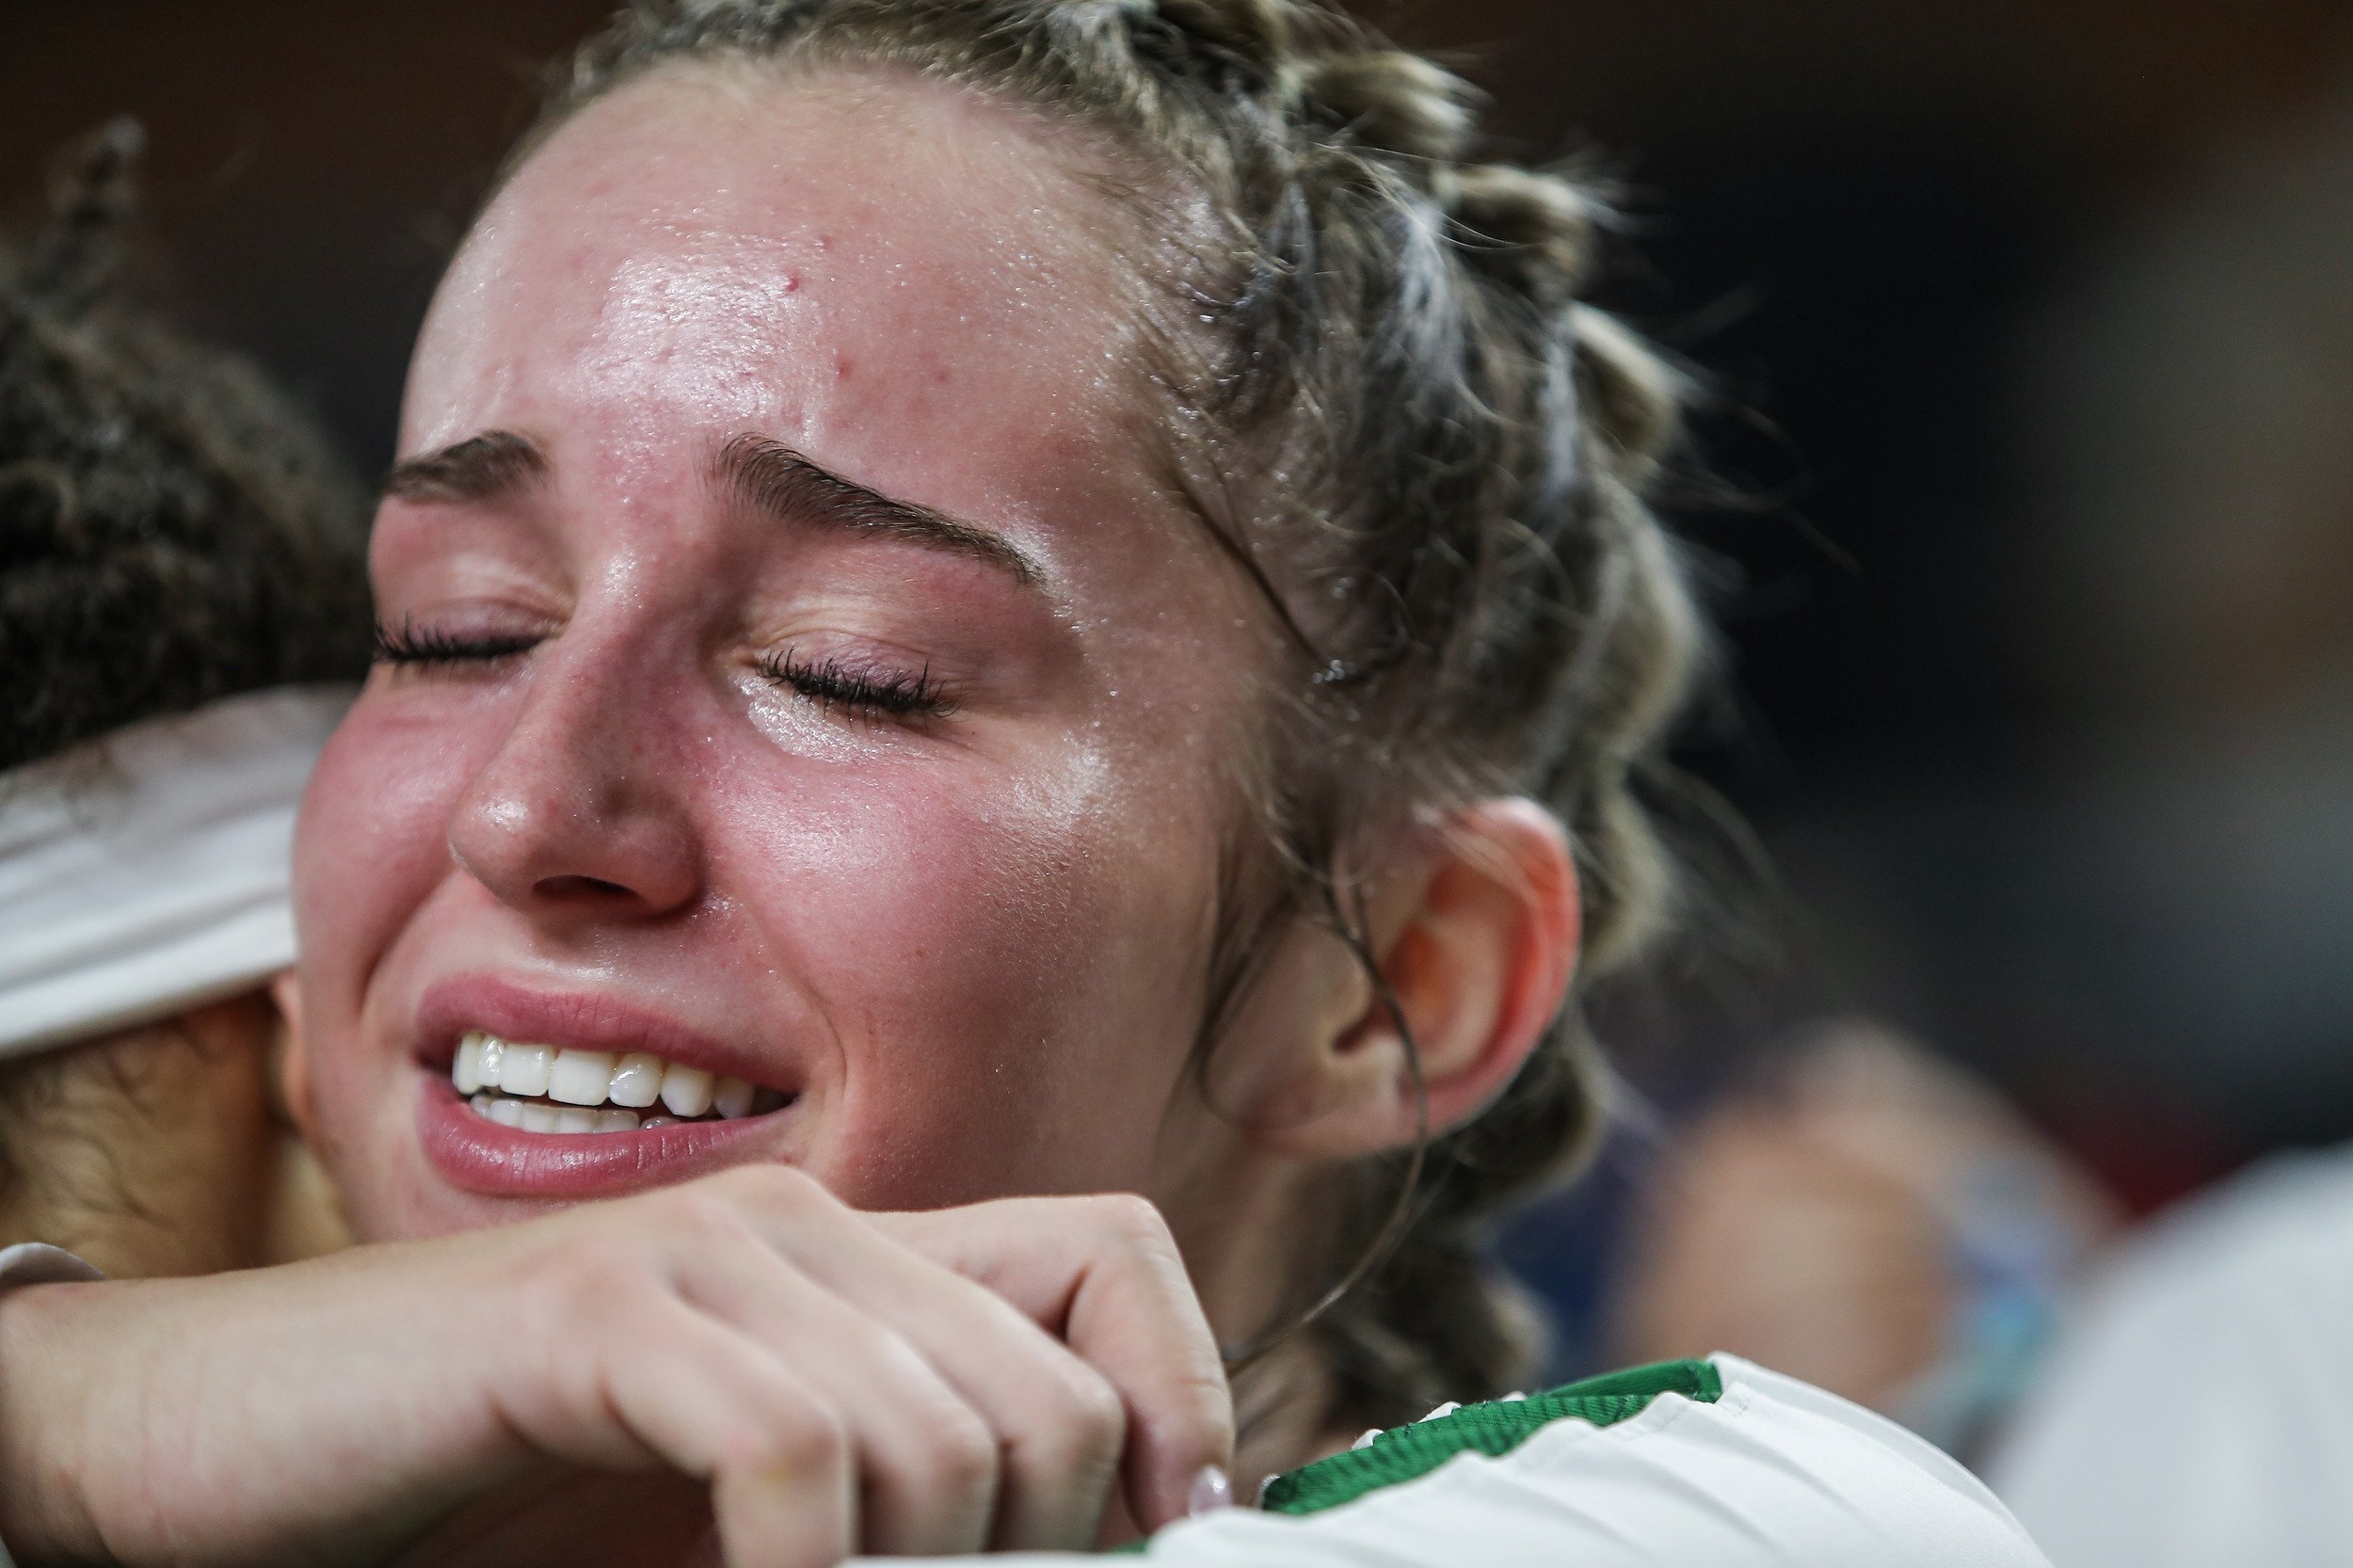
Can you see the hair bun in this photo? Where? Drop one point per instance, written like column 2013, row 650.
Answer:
column 1535, row 228
column 1259, row 31
column 1396, row 102
column 1632, row 394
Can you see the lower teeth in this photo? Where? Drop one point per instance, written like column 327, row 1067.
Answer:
column 540, row 1116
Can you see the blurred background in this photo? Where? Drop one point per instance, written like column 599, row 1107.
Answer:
column 2031, row 330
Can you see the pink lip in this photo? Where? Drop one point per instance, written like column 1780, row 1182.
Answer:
column 479, row 1156
column 581, row 1020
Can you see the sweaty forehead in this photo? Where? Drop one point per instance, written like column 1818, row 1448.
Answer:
column 734, row 247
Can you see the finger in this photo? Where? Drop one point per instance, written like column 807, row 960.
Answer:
column 773, row 1513
column 1058, row 1423
column 1104, row 1275
column 714, row 1403
column 926, row 1461
column 1057, row 1426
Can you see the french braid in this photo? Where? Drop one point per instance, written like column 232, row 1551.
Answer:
column 1480, row 596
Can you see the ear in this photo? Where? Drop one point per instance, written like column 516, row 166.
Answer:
column 292, row 1077
column 1478, row 944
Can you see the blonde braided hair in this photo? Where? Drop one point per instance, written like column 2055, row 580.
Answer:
column 1463, row 554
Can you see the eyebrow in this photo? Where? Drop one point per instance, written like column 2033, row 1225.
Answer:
column 770, row 476
column 488, row 467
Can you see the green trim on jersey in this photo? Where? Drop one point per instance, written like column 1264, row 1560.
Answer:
column 1403, row 1453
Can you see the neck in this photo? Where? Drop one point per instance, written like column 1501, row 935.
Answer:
column 1250, row 1225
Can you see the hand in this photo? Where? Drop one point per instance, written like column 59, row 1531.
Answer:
column 843, row 1381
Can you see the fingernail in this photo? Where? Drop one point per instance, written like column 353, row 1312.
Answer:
column 1212, row 1489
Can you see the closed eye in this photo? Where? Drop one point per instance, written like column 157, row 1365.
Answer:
column 409, row 643
column 879, row 691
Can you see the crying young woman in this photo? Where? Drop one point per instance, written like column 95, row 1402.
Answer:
column 984, row 605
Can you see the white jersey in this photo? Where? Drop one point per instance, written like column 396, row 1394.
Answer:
column 2200, row 1409
column 1754, row 1470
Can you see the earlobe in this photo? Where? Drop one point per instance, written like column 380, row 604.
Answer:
column 289, row 1079
column 1477, row 953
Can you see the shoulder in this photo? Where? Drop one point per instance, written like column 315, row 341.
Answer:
column 1717, row 1462
column 1757, row 1471
column 2228, row 1299
column 2197, row 1399
column 2278, row 1237
column 1795, row 1474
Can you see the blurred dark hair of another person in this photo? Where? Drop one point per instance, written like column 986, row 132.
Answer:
column 182, row 606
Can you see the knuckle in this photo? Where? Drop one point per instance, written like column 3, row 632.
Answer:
column 792, row 1432
column 604, row 1254
column 590, row 1289
column 963, row 1452
column 1097, row 1416
column 1084, row 1413
column 698, row 1215
column 1128, row 1218
column 1211, row 1388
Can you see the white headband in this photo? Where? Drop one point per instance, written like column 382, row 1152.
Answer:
column 147, row 872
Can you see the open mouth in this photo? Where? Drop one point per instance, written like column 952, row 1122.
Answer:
column 538, row 1088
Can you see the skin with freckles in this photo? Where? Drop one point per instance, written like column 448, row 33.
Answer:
column 969, row 941
column 795, row 666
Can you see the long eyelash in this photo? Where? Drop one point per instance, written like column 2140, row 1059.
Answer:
column 409, row 643
column 889, row 693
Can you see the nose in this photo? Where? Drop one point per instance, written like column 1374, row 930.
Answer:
column 579, row 816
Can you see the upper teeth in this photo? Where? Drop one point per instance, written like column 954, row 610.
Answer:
column 590, row 1077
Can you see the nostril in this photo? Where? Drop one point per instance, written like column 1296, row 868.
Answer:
column 573, row 849
column 579, row 887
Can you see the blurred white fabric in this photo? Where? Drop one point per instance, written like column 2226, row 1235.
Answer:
column 149, row 872
column 1775, row 1474
column 2200, row 1409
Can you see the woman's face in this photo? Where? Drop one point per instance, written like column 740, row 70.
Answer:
column 811, row 680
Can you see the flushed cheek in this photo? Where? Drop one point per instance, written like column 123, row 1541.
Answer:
column 1010, row 981
column 370, row 849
